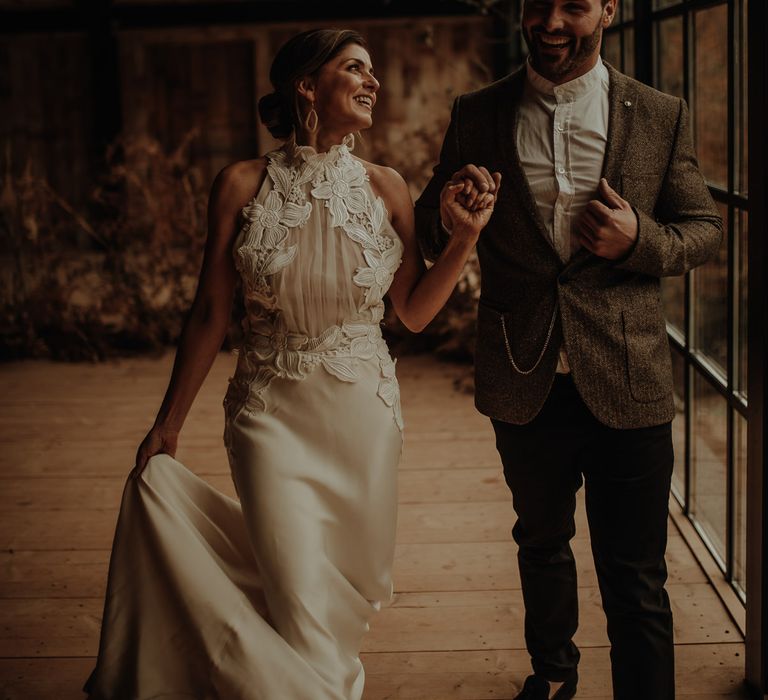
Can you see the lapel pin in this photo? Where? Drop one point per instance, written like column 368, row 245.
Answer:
column 627, row 103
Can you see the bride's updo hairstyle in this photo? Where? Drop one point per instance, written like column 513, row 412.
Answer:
column 300, row 56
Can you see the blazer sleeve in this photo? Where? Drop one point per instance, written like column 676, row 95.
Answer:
column 687, row 229
column 429, row 231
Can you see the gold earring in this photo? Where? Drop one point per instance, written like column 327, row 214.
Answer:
column 311, row 121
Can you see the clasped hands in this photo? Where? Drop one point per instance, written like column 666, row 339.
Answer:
column 607, row 227
column 467, row 201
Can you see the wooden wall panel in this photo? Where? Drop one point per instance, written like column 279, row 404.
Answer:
column 174, row 79
column 171, row 89
column 46, row 110
column 209, row 79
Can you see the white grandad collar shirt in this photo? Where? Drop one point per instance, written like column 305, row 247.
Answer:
column 562, row 132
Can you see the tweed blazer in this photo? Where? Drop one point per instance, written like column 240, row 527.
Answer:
column 608, row 314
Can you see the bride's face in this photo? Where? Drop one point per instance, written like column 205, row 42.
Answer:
column 345, row 91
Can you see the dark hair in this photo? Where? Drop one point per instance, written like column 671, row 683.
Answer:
column 303, row 54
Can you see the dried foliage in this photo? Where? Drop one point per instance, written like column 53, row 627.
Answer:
column 119, row 277
column 114, row 279
column 451, row 335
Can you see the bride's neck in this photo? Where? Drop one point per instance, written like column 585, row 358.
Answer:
column 320, row 140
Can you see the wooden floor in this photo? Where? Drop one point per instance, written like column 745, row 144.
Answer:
column 454, row 630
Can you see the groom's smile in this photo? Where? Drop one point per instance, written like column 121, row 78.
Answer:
column 549, row 41
column 564, row 36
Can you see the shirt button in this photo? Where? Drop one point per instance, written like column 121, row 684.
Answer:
column 560, row 127
column 561, row 170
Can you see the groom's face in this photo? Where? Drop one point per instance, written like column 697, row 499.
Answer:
column 564, row 36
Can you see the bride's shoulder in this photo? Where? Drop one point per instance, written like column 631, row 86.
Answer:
column 387, row 183
column 238, row 182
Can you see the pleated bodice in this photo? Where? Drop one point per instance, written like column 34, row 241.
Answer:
column 316, row 254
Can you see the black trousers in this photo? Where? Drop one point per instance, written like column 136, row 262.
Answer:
column 626, row 475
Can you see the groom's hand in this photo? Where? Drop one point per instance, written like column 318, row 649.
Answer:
column 477, row 181
column 608, row 228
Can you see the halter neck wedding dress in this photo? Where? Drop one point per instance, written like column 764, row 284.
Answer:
column 268, row 598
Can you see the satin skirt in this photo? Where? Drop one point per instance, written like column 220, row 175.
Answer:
column 267, row 598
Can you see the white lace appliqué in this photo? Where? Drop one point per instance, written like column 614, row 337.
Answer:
column 271, row 349
column 341, row 186
column 262, row 251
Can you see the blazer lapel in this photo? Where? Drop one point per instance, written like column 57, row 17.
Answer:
column 506, row 137
column 622, row 104
column 622, row 99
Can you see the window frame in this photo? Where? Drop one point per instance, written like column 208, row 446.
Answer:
column 750, row 209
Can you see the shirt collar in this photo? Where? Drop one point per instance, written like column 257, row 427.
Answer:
column 573, row 89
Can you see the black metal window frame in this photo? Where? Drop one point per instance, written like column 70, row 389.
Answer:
column 643, row 20
column 747, row 20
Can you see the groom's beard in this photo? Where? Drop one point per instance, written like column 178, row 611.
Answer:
column 554, row 65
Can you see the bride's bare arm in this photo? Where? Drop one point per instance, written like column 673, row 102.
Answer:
column 208, row 319
column 417, row 294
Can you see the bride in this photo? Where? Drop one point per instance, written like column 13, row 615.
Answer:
column 268, row 598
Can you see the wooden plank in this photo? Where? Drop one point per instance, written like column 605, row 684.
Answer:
column 422, row 522
column 44, row 679
column 418, row 567
column 204, row 456
column 493, row 565
column 478, row 620
column 50, row 627
column 76, row 450
column 78, row 492
column 453, row 485
column 704, row 672
column 462, row 522
column 455, row 628
column 444, row 454
column 435, row 523
column 54, row 574
column 710, row 569
column 448, row 621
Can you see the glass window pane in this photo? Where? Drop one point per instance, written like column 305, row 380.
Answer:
column 740, row 505
column 708, row 462
column 678, row 425
column 629, row 52
column 659, row 4
column 628, row 10
column 710, row 65
column 741, row 270
column 673, row 297
column 612, row 49
column 709, row 302
column 668, row 56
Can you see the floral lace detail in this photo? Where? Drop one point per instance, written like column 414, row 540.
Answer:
column 341, row 186
column 271, row 349
column 389, row 389
column 273, row 352
column 262, row 251
column 362, row 220
column 377, row 277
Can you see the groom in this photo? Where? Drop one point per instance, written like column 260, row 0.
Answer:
column 601, row 197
